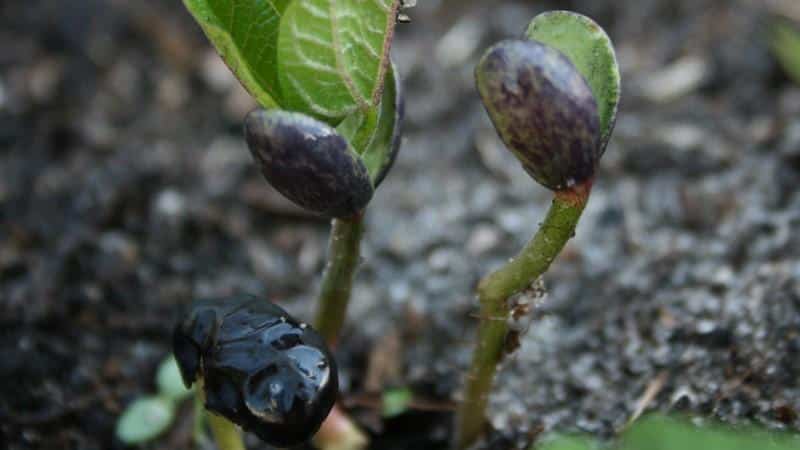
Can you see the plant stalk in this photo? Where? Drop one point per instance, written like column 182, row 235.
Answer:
column 494, row 291
column 226, row 435
column 338, row 432
column 337, row 281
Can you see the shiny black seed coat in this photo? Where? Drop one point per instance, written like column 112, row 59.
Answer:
column 261, row 369
column 543, row 109
column 309, row 162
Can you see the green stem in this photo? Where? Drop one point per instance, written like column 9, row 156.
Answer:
column 494, row 291
column 337, row 281
column 226, row 434
column 199, row 428
column 338, row 431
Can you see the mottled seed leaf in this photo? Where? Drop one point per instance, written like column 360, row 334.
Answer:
column 785, row 43
column 309, row 162
column 375, row 133
column 245, row 33
column 590, row 49
column 326, row 58
column 543, row 110
column 145, row 419
column 333, row 55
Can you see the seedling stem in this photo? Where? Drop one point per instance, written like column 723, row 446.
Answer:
column 493, row 293
column 337, row 281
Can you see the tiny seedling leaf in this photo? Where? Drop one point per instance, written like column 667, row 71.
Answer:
column 169, row 381
column 785, row 43
column 396, row 401
column 145, row 419
column 589, row 48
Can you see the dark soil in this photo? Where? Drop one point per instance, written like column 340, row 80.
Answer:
column 126, row 191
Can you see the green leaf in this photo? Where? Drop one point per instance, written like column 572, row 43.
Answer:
column 169, row 381
column 333, row 55
column 375, row 134
column 589, row 48
column 785, row 43
column 677, row 433
column 396, row 401
column 145, row 419
column 664, row 433
column 245, row 33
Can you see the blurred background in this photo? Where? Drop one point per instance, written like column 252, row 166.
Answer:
column 126, row 191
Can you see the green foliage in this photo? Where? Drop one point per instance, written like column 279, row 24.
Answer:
column 396, row 401
column 589, row 48
column 326, row 58
column 785, row 43
column 333, row 54
column 664, row 433
column 145, row 419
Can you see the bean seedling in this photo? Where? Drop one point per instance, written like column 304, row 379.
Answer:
column 326, row 137
column 553, row 99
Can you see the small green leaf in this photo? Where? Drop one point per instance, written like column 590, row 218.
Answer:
column 169, row 381
column 375, row 133
column 333, row 55
column 666, row 433
column 245, row 33
column 589, row 48
column 396, row 401
column 785, row 43
column 145, row 419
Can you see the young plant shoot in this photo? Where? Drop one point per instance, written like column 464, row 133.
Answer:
column 553, row 99
column 330, row 128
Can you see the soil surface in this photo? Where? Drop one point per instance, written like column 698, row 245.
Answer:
column 126, row 191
